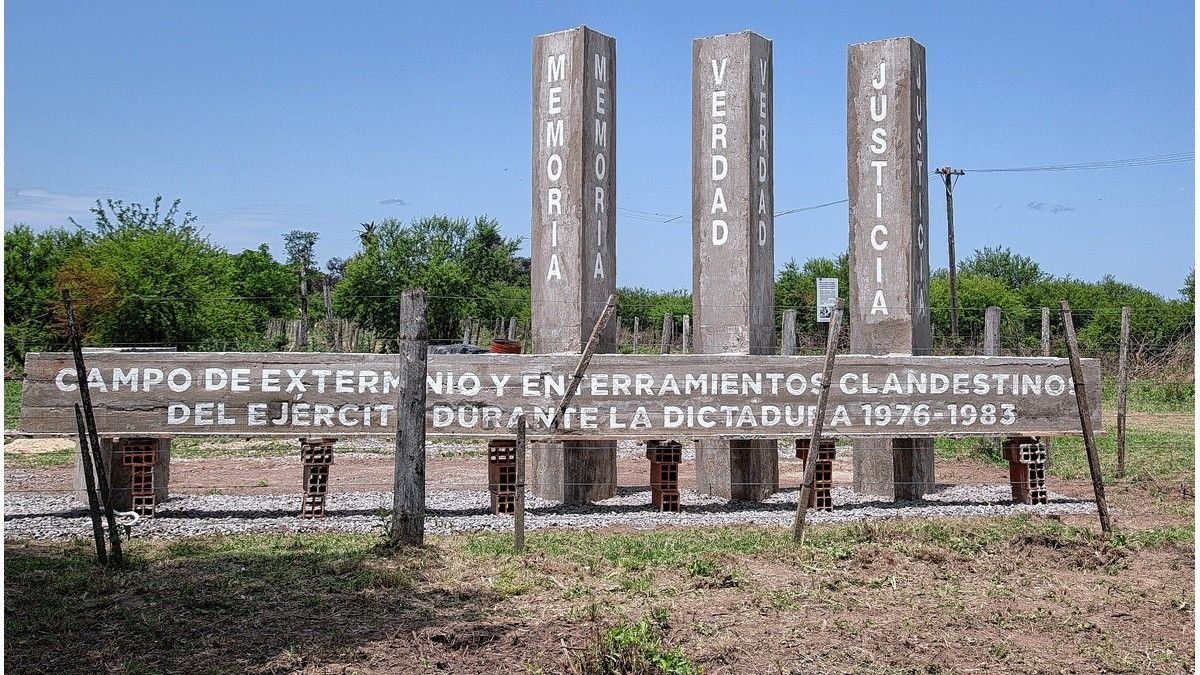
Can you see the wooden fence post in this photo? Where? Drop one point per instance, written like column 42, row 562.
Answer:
column 1046, row 352
column 408, row 503
column 687, row 335
column 512, row 328
column 991, row 332
column 519, row 514
column 636, row 329
column 787, row 345
column 332, row 341
column 668, row 333
column 1122, row 390
column 466, row 331
column 1045, row 331
column 810, row 466
column 1085, row 418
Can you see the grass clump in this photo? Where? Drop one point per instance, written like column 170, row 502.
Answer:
column 12, row 404
column 54, row 459
column 634, row 647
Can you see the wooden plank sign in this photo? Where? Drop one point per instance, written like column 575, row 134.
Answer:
column 620, row 396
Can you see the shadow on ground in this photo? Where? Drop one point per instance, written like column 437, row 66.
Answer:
column 264, row 604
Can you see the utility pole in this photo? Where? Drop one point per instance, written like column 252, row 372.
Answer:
column 948, row 177
column 303, row 341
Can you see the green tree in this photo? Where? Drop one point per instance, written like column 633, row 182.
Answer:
column 1016, row 271
column 467, row 269
column 266, row 286
column 796, row 288
column 976, row 292
column 150, row 276
column 299, row 245
column 31, row 261
column 650, row 306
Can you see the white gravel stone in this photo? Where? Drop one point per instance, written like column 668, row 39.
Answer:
column 45, row 516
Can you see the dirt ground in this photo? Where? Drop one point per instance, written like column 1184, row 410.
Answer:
column 1010, row 595
column 996, row 596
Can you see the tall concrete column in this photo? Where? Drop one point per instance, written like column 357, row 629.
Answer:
column 574, row 233
column 733, row 237
column 889, row 240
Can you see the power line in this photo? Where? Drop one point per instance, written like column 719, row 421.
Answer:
column 1174, row 158
column 1152, row 160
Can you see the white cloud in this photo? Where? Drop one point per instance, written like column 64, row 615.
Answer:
column 42, row 208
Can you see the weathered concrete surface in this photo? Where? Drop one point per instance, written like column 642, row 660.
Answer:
column 889, row 239
column 574, row 231
column 733, row 236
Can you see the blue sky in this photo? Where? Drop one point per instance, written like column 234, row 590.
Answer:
column 270, row 116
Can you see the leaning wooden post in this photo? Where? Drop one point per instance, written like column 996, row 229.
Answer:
column 1085, row 417
column 810, row 466
column 75, row 336
column 686, row 335
column 668, row 333
column 1045, row 331
column 585, row 358
column 788, row 343
column 89, row 480
column 519, row 514
column 512, row 328
column 1122, row 390
column 408, row 501
column 991, row 332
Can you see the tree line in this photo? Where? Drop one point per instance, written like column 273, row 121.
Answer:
column 149, row 276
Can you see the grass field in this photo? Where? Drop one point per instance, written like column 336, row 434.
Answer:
column 1013, row 594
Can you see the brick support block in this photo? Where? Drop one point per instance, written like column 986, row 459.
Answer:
column 316, row 456
column 502, row 474
column 821, row 497
column 1027, row 459
column 138, row 471
column 664, row 457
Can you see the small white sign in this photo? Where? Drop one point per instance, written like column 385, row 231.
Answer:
column 827, row 295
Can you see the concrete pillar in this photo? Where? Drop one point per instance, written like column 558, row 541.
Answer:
column 889, row 240
column 120, row 475
column 574, row 233
column 733, row 237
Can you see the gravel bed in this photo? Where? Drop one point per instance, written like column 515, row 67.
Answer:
column 47, row 516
